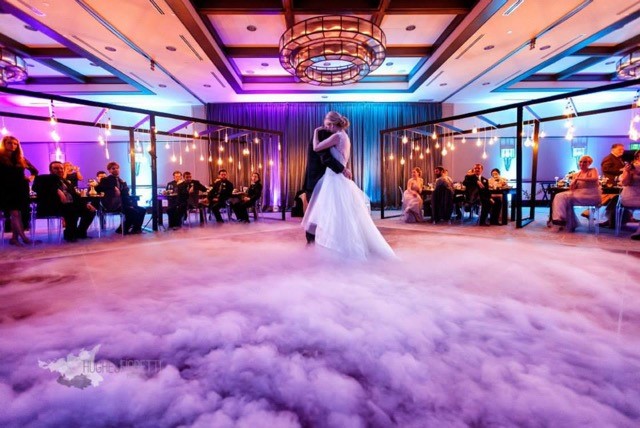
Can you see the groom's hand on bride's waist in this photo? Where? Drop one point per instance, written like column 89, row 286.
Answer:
column 347, row 173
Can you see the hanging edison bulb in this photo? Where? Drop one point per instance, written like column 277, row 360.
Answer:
column 180, row 159
column 106, row 153
column 167, row 146
column 173, row 158
column 474, row 130
column 221, row 149
column 484, row 155
column 428, row 150
column 478, row 142
column 453, row 147
column 402, row 161
column 434, row 136
column 201, row 158
column 226, row 137
column 193, row 145
column 270, row 162
column 210, row 158
column 245, row 152
column 421, row 156
column 219, row 161
column 239, row 165
column 464, row 140
column 186, row 148
column 404, row 139
column 101, row 140
column 391, row 157
column 260, row 165
column 437, row 145
column 230, row 159
column 542, row 134
column 195, row 134
column 256, row 140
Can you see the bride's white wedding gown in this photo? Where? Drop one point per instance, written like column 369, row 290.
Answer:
column 338, row 213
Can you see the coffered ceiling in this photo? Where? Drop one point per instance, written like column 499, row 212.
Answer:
column 156, row 52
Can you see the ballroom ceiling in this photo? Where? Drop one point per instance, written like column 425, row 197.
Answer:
column 199, row 51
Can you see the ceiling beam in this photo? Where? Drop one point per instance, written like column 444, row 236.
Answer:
column 141, row 122
column 60, row 68
column 102, row 112
column 60, row 52
column 272, row 52
column 377, row 17
column 289, row 17
column 594, row 51
column 616, row 50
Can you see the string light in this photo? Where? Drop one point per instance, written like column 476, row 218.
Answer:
column 569, row 113
column 634, row 132
column 474, row 130
column 484, row 155
column 434, row 136
column 4, row 131
column 391, row 157
column 404, row 139
column 444, row 151
column 402, row 161
column 464, row 140
column 478, row 142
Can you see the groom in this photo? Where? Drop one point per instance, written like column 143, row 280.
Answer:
column 317, row 164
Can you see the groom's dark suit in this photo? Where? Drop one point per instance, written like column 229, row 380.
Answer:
column 317, row 164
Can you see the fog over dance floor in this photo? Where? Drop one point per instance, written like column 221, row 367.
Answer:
column 251, row 328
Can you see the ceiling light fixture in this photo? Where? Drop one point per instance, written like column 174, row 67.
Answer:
column 13, row 67
column 251, row 28
column 628, row 67
column 356, row 47
column 410, row 28
column 513, row 7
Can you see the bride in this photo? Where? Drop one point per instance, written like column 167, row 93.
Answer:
column 338, row 208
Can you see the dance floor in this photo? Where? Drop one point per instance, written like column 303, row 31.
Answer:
column 245, row 325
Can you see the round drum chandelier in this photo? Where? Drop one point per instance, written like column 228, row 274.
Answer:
column 13, row 68
column 332, row 50
column 628, row 67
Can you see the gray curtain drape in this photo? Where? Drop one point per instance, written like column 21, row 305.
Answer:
column 298, row 120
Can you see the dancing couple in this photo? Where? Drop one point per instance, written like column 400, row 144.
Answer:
column 338, row 217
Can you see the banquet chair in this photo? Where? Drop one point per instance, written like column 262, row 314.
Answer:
column 620, row 207
column 594, row 216
column 257, row 209
column 108, row 219
column 200, row 211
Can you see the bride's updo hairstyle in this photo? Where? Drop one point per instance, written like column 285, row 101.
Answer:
column 338, row 120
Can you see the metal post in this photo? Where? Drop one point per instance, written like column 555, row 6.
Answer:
column 154, row 172
column 132, row 161
column 518, row 198
column 283, row 181
column 382, row 160
column 534, row 168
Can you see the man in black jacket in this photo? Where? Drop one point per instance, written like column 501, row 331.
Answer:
column 57, row 197
column 317, row 164
column 117, row 199
column 477, row 187
column 188, row 196
column 612, row 166
column 220, row 192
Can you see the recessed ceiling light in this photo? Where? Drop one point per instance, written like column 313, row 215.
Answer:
column 326, row 64
column 402, row 71
column 609, row 62
column 30, row 65
column 110, row 49
column 324, row 96
column 206, row 85
column 265, row 64
column 545, row 47
column 486, row 83
column 29, row 27
column 162, row 85
column 171, row 48
column 443, row 84
column 410, row 28
column 251, row 28
column 94, row 64
column 389, row 64
column 509, row 32
column 489, row 47
column 250, row 72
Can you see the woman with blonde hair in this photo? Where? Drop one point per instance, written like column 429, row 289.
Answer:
column 584, row 190
column 338, row 213
column 14, row 192
column 412, row 199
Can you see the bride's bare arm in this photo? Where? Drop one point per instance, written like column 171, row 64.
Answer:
column 325, row 144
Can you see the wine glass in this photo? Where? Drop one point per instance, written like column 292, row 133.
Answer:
column 557, row 178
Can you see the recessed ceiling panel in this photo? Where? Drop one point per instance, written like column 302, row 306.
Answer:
column 17, row 30
column 427, row 28
column 562, row 65
column 83, row 66
column 36, row 69
column 260, row 67
column 233, row 31
column 619, row 36
column 396, row 66
column 607, row 65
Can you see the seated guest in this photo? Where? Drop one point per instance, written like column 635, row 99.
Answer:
column 477, row 188
column 188, row 192
column 57, row 197
column 219, row 193
column 72, row 174
column 240, row 208
column 497, row 182
column 411, row 199
column 630, row 180
column 117, row 199
column 442, row 198
column 612, row 166
column 584, row 190
column 175, row 220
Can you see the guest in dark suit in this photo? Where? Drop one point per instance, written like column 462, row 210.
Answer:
column 442, row 198
column 317, row 164
column 477, row 188
column 117, row 199
column 219, row 193
column 57, row 197
column 188, row 192
column 254, row 193
column 612, row 166
column 171, row 191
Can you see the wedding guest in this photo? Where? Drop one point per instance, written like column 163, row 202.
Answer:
column 173, row 211
column 411, row 198
column 584, row 190
column 117, row 199
column 496, row 181
column 72, row 174
column 442, row 198
column 57, row 197
column 612, row 166
column 188, row 196
column 477, row 188
column 220, row 192
column 240, row 208
column 630, row 181
column 14, row 191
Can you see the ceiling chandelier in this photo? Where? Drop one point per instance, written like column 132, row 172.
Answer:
column 628, row 67
column 13, row 68
column 332, row 50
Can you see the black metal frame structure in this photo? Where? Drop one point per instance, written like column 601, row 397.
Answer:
column 519, row 124
column 152, row 136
